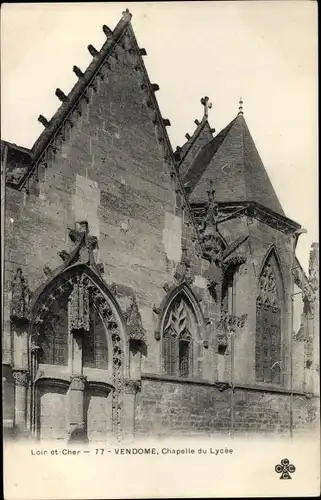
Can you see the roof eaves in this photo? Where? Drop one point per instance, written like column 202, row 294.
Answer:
column 254, row 209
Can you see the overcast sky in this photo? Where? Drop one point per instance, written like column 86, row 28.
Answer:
column 265, row 52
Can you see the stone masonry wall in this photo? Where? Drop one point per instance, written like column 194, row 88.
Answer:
column 110, row 170
column 169, row 408
column 176, row 408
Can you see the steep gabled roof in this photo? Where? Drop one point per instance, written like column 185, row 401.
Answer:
column 186, row 153
column 22, row 166
column 231, row 161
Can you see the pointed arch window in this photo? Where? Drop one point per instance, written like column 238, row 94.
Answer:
column 268, row 323
column 178, row 339
column 59, row 314
column 95, row 346
column 54, row 334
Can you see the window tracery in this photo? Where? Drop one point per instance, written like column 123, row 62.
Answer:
column 178, row 339
column 54, row 334
column 95, row 347
column 75, row 307
column 268, row 324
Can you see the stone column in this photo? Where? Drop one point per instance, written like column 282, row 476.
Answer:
column 79, row 326
column 131, row 387
column 77, row 429
column 21, row 381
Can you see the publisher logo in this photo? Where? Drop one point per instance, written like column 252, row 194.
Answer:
column 285, row 468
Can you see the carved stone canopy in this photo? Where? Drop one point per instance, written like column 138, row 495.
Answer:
column 126, row 299
column 135, row 327
column 21, row 378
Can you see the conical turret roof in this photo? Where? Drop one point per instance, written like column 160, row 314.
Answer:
column 231, row 161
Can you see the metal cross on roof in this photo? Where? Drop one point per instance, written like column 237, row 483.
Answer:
column 207, row 105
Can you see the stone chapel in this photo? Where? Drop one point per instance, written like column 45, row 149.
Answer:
column 149, row 291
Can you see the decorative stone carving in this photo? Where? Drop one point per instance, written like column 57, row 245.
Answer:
column 221, row 386
column 127, row 301
column 20, row 298
column 132, row 386
column 79, row 308
column 21, row 378
column 231, row 321
column 314, row 267
column 222, row 340
column 268, row 291
column 308, row 294
column 297, row 277
column 118, row 381
column 78, row 383
column 157, row 335
column 75, row 235
column 182, row 271
column 47, row 271
column 232, row 263
column 177, row 320
column 134, row 322
column 211, row 241
column 64, row 255
column 156, row 310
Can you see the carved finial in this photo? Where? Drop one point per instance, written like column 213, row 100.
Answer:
column 47, row 271
column 61, row 95
column 107, row 31
column 143, row 52
column 101, row 268
column 155, row 87
column 207, row 105
column 156, row 310
column 77, row 72
column 211, row 193
column 63, row 255
column 240, row 106
column 126, row 16
column 43, row 120
column 74, row 235
column 94, row 52
column 177, row 153
column 166, row 122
